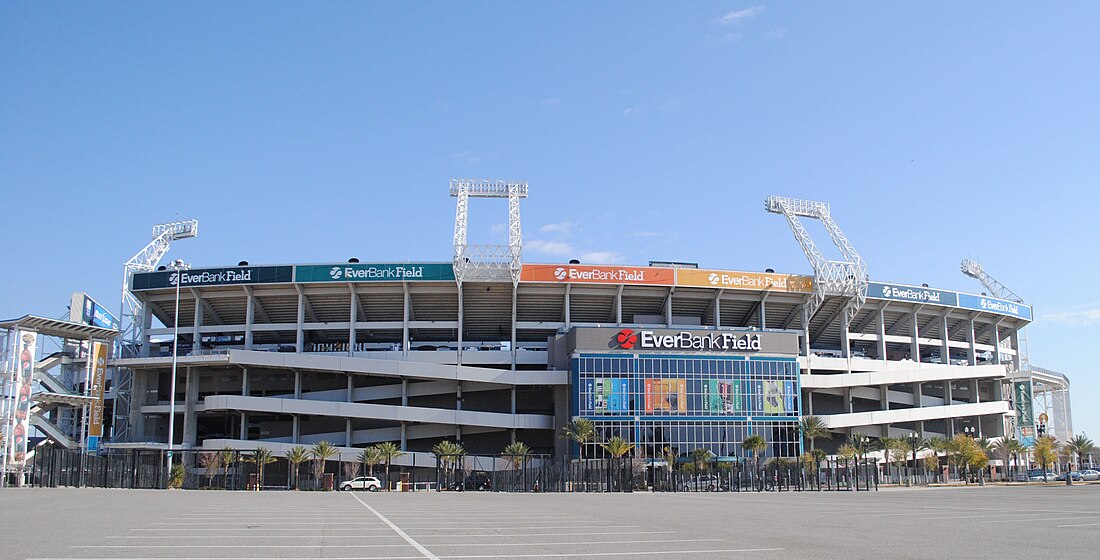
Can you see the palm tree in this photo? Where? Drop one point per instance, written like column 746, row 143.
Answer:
column 582, row 431
column 848, row 453
column 669, row 455
column 296, row 456
column 813, row 428
column 1081, row 445
column 227, row 456
column 755, row 444
column 939, row 446
column 370, row 457
column 617, row 447
column 516, row 453
column 261, row 456
column 389, row 451
column 322, row 451
column 447, row 454
column 887, row 445
column 1008, row 449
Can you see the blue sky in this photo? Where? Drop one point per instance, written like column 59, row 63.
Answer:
column 306, row 133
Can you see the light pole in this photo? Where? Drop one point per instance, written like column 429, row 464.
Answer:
column 914, row 441
column 179, row 266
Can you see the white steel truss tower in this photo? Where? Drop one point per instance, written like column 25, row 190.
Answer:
column 847, row 278
column 488, row 263
column 999, row 290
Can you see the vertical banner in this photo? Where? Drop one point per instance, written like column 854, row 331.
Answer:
column 773, row 400
column 738, row 402
column 1025, row 414
column 99, row 378
column 649, row 396
column 26, row 342
column 788, row 397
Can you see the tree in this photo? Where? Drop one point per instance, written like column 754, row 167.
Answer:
column 669, row 455
column 296, row 456
column 176, row 476
column 887, row 445
column 261, row 457
column 699, row 459
column 211, row 462
column 322, row 451
column 812, row 428
column 755, row 444
column 1045, row 451
column 1082, row 446
column 901, row 450
column 351, row 468
column 227, row 456
column 1009, row 450
column 582, row 431
column 517, row 453
column 617, row 447
column 446, row 452
column 389, row 451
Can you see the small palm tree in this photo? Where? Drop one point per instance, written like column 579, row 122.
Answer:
column 1006, row 449
column 296, row 456
column 1081, row 445
column 261, row 457
column 813, row 428
column 447, row 453
column 389, row 451
column 227, row 456
column 617, row 447
column 887, row 445
column 755, row 444
column 516, row 453
column 669, row 455
column 370, row 457
column 582, row 431
column 322, row 451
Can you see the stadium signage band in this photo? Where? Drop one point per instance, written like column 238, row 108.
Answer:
column 686, row 340
column 406, row 272
column 994, row 305
column 597, row 274
column 744, row 280
column 915, row 294
column 214, row 277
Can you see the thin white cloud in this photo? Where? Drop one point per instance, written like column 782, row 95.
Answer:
column 499, row 228
column 729, row 37
column 564, row 228
column 552, row 102
column 630, row 111
column 1083, row 316
column 601, row 257
column 555, row 248
column 737, row 16
column 776, row 34
column 645, row 234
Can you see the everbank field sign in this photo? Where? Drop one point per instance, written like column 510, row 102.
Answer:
column 597, row 274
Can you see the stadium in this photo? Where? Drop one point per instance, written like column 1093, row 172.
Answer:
column 488, row 349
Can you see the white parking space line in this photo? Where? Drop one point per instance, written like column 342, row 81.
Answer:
column 265, row 537
column 554, row 534
column 419, row 547
column 237, row 558
column 575, row 543
column 234, row 529
column 176, row 546
column 1079, row 525
column 481, row 528
column 1039, row 519
column 251, row 523
column 597, row 554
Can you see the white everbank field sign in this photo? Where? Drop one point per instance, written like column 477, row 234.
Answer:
column 685, row 340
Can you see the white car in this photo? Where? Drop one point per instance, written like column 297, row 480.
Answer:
column 362, row 483
column 1090, row 474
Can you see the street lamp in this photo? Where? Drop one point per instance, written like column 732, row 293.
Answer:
column 178, row 265
column 914, row 441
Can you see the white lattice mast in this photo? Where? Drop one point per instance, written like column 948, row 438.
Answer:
column 998, row 290
column 847, row 278
column 132, row 314
column 488, row 263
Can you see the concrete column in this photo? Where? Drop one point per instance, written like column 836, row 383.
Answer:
column 404, row 392
column 914, row 343
column 806, row 335
column 809, row 403
column 244, row 382
column 348, row 434
column 458, row 406
column 977, row 392
column 971, row 353
column 848, row 400
column 948, row 393
column 351, row 389
column 354, row 318
column 1015, row 337
column 296, row 430
column 717, row 309
column 668, row 308
column 147, row 323
column 297, row 384
column 945, row 351
column 619, row 307
column 138, row 392
column 300, row 339
column 405, row 307
column 568, row 316
column 404, row 437
column 918, row 395
column 513, row 399
column 845, row 339
column 997, row 343
column 764, row 312
column 190, row 422
column 884, row 397
column 882, row 333
column 244, row 427
column 249, row 317
column 196, row 342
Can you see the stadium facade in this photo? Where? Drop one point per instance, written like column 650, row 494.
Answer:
column 487, row 349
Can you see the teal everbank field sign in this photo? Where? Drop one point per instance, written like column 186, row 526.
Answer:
column 359, row 272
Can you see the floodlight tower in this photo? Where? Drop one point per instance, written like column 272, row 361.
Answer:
column 132, row 316
column 998, row 290
column 488, row 263
column 846, row 278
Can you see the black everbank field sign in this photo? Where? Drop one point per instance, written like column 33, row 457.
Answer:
column 673, row 340
column 214, row 277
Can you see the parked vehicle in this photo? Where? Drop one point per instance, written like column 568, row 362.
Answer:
column 1037, row 475
column 479, row 481
column 1090, row 475
column 705, row 483
column 369, row 483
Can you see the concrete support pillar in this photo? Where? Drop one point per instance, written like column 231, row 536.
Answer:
column 300, row 335
column 977, row 393
column 348, row 434
column 513, row 400
column 1015, row 338
column 147, row 323
column 351, row 389
column 458, row 406
column 296, row 430
column 196, row 335
column 354, row 317
column 717, row 308
column 404, row 392
column 948, row 392
column 404, row 437
column 971, row 352
column 244, row 427
column 249, row 317
column 568, row 316
column 668, row 308
column 918, row 395
column 848, row 400
column 884, row 397
column 406, row 309
column 845, row 339
column 244, row 382
column 806, row 336
column 139, row 390
column 882, row 334
column 809, row 403
column 297, row 384
column 190, row 421
column 619, row 306
column 914, row 342
column 945, row 350
column 997, row 343
column 764, row 312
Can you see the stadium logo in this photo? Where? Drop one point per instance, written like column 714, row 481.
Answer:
column 985, row 304
column 626, row 339
column 560, row 273
column 336, row 272
column 713, row 279
column 886, row 291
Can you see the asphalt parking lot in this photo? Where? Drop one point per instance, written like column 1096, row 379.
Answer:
column 992, row 522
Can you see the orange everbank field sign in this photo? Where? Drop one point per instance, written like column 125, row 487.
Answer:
column 744, row 280
column 597, row 274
